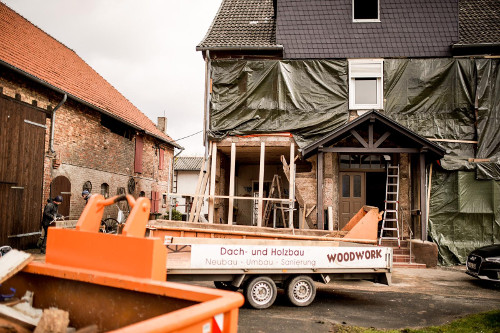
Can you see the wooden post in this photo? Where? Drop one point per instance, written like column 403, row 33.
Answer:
column 423, row 201
column 261, row 182
column 319, row 206
column 231, row 184
column 291, row 187
column 211, row 199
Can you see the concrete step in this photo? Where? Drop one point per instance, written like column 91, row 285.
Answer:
column 407, row 265
column 403, row 258
column 394, row 243
column 402, row 251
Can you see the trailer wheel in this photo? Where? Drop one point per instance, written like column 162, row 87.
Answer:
column 300, row 290
column 260, row 292
column 223, row 285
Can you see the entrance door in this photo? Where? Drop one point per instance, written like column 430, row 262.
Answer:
column 352, row 195
column 61, row 186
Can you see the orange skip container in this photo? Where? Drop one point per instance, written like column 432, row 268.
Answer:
column 117, row 282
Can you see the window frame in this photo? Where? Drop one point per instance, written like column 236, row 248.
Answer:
column 355, row 20
column 374, row 73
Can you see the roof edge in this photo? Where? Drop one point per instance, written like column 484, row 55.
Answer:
column 240, row 48
column 92, row 106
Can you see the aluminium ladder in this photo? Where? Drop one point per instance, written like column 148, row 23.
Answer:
column 390, row 221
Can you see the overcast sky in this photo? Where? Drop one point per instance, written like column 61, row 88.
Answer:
column 145, row 49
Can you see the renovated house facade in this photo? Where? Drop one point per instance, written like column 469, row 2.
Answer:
column 329, row 96
column 65, row 129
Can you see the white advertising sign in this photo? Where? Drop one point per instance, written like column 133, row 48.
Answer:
column 284, row 257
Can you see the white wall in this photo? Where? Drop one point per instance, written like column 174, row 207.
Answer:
column 186, row 184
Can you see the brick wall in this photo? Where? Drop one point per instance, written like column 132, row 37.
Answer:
column 88, row 151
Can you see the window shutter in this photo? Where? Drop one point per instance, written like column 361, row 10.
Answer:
column 139, row 143
column 155, row 198
column 162, row 159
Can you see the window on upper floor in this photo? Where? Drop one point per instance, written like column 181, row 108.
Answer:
column 366, row 84
column 365, row 11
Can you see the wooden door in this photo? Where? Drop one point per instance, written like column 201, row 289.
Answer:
column 22, row 140
column 62, row 186
column 352, row 195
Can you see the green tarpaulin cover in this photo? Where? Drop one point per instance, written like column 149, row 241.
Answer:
column 436, row 98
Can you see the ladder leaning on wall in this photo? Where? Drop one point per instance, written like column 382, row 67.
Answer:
column 390, row 221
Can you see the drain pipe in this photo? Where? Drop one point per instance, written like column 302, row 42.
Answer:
column 53, row 123
column 207, row 101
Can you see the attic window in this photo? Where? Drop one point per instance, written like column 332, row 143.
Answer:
column 365, row 84
column 365, row 11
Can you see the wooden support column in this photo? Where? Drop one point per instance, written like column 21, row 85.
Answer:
column 211, row 199
column 261, row 182
column 423, row 197
column 319, row 205
column 231, row 184
column 291, row 187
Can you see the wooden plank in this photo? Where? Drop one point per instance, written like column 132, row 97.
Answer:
column 423, row 203
column 231, row 184
column 452, row 140
column 198, row 186
column 13, row 262
column 203, row 189
column 319, row 176
column 211, row 199
column 261, row 182
column 291, row 187
column 53, row 320
column 369, row 150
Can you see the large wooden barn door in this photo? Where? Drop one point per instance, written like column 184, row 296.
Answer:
column 22, row 138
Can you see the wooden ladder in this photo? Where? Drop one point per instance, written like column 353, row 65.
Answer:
column 274, row 192
column 390, row 221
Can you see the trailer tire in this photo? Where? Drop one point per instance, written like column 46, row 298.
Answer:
column 300, row 290
column 223, row 285
column 260, row 292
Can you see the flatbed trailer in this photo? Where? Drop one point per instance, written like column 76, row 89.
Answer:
column 259, row 267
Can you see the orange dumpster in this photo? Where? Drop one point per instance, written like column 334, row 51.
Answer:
column 100, row 279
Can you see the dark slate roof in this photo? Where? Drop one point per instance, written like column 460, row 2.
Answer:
column 407, row 28
column 479, row 22
column 242, row 23
column 188, row 163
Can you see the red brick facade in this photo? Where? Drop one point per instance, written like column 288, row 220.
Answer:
column 85, row 150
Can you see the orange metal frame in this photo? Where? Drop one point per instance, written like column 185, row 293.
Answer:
column 129, row 253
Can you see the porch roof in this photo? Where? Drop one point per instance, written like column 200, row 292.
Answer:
column 377, row 129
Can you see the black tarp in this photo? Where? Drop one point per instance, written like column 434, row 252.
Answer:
column 436, row 98
column 464, row 214
column 307, row 98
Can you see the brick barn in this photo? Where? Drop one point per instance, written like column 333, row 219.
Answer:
column 63, row 129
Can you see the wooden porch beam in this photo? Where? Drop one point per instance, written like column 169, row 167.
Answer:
column 423, row 197
column 211, row 200
column 382, row 139
column 359, row 138
column 319, row 176
column 291, row 186
column 231, row 184
column 261, row 182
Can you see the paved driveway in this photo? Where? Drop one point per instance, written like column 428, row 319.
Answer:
column 417, row 298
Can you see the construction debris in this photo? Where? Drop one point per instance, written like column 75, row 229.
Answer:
column 12, row 262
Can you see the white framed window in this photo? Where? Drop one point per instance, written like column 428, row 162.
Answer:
column 365, row 11
column 366, row 84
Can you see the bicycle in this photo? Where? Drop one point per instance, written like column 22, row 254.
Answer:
column 111, row 225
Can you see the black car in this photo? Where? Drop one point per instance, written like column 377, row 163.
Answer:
column 484, row 263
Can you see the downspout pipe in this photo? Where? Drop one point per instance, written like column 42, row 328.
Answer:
column 53, row 122
column 207, row 101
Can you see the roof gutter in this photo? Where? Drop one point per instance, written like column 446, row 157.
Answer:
column 240, row 48
column 478, row 45
column 50, row 86
column 53, row 123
